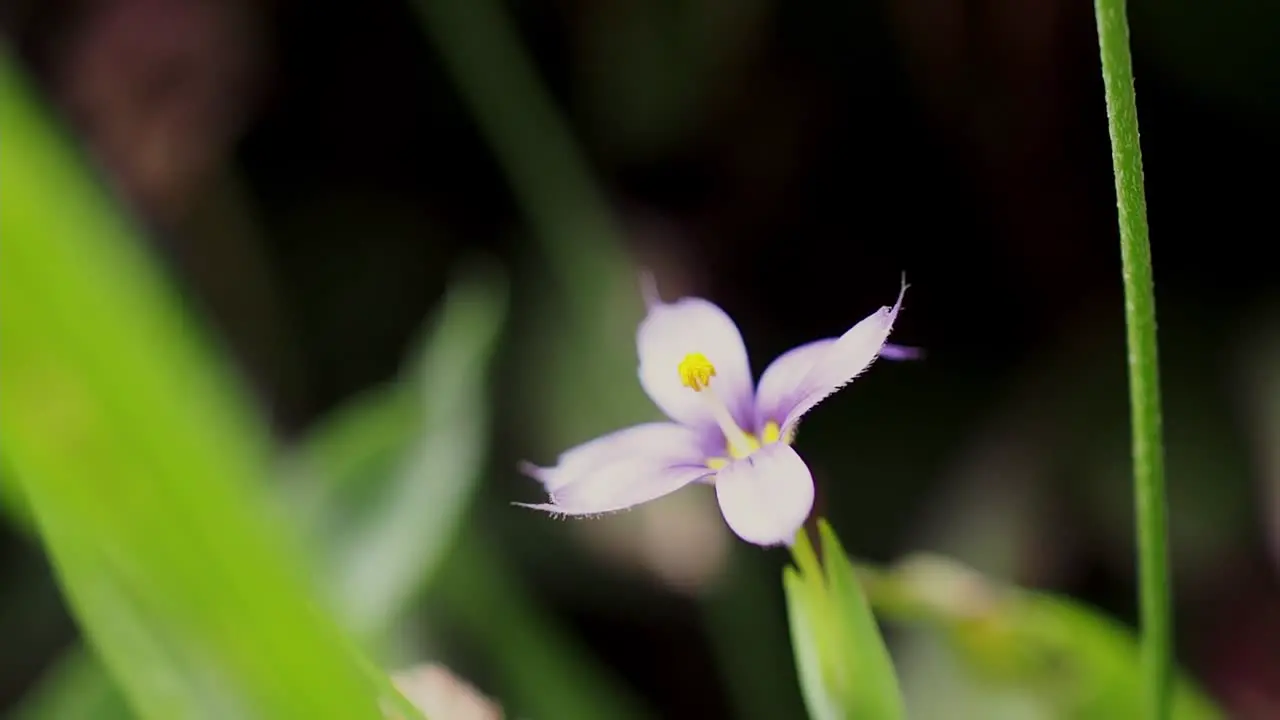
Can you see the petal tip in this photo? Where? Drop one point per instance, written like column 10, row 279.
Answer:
column 901, row 352
column 562, row 513
column 902, row 292
column 549, row 508
column 528, row 469
column 649, row 289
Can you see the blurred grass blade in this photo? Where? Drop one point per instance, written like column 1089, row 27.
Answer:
column 397, row 470
column 802, row 606
column 76, row 687
column 361, row 470
column 141, row 463
column 593, row 289
column 377, row 449
column 844, row 668
column 746, row 622
column 1078, row 662
column 867, row 668
column 12, row 503
column 541, row 671
column 535, row 147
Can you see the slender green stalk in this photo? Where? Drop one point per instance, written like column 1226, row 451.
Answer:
column 1144, row 375
column 535, row 147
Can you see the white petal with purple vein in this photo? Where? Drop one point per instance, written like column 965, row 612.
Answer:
column 672, row 331
column 780, row 385
column 766, row 497
column 620, row 485
column 847, row 358
column 667, row 443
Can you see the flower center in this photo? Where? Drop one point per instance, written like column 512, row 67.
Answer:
column 696, row 372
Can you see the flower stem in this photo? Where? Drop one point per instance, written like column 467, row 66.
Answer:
column 1144, row 376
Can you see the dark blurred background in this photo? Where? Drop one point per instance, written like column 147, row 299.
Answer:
column 311, row 173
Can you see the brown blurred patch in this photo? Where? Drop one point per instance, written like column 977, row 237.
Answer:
column 159, row 89
column 1241, row 646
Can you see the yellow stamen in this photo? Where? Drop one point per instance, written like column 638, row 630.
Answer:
column 696, row 372
column 771, row 433
column 747, row 444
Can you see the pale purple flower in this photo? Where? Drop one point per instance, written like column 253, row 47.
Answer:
column 723, row 430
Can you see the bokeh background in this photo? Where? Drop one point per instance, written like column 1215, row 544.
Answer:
column 314, row 176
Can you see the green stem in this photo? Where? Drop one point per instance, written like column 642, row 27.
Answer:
column 1144, row 376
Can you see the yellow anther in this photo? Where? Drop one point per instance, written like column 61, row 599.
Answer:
column 744, row 443
column 696, row 371
column 771, row 433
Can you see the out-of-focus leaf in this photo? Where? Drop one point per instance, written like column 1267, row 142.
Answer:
column 662, row 60
column 141, row 462
column 371, row 456
column 804, row 619
column 77, row 687
column 844, row 668
column 866, row 667
column 541, row 671
column 1077, row 662
column 396, row 471
column 12, row 502
column 591, row 290
column 746, row 622
column 387, row 448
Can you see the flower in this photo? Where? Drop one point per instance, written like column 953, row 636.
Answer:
column 723, row 430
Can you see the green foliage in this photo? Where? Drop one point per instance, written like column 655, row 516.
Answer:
column 1071, row 660
column 142, row 465
column 388, row 479
column 845, row 670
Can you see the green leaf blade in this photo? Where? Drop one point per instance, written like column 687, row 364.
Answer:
column 844, row 667
column 141, row 462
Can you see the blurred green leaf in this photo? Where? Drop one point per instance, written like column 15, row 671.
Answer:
column 373, row 457
column 402, row 461
column 396, row 471
column 845, row 670
column 663, row 61
column 591, row 290
column 76, row 687
column 543, row 672
column 359, row 470
column 383, row 481
column 12, row 502
column 141, row 462
column 744, row 615
column 1076, row 661
column 802, row 605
